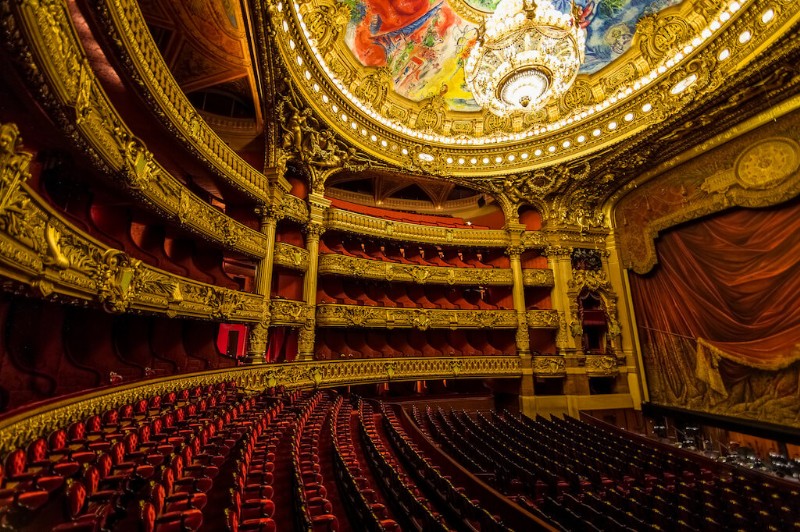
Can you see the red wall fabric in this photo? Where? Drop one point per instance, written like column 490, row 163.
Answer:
column 730, row 284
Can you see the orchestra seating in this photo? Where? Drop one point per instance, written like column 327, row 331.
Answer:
column 220, row 458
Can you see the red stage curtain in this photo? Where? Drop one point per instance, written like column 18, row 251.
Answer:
column 730, row 283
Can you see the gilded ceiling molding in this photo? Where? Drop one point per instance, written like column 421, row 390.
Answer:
column 289, row 256
column 144, row 64
column 675, row 60
column 20, row 429
column 55, row 65
column 43, row 255
column 342, row 220
column 756, row 170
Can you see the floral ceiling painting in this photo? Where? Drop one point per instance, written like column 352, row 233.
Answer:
column 425, row 43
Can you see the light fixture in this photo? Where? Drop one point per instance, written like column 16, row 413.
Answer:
column 527, row 54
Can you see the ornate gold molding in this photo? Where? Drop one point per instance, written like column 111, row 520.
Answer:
column 543, row 319
column 289, row 256
column 419, row 318
column 538, row 277
column 287, row 312
column 594, row 281
column 54, row 62
column 294, row 208
column 549, row 366
column 673, row 59
column 47, row 255
column 338, row 219
column 333, row 264
column 757, row 170
column 602, row 365
column 144, row 63
column 20, row 429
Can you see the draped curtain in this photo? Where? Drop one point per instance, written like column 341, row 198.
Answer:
column 731, row 285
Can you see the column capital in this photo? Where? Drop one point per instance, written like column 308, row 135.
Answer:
column 515, row 251
column 314, row 229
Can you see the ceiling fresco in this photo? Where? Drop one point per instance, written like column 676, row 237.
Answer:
column 424, row 43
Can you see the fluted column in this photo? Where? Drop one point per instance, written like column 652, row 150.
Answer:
column 560, row 261
column 314, row 230
column 514, row 251
column 259, row 333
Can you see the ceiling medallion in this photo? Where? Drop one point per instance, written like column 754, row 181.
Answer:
column 528, row 54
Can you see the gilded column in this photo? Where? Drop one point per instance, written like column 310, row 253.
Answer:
column 559, row 259
column 318, row 205
column 259, row 333
column 514, row 252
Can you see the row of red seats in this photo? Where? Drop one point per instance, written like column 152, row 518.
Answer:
column 354, row 486
column 400, row 216
column 314, row 510
column 337, row 290
column 335, row 343
column 414, row 254
column 400, row 490
column 469, row 511
column 92, row 467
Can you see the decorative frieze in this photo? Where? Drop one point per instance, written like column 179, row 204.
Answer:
column 288, row 312
column 338, row 219
column 549, row 366
column 543, row 319
column 419, row 318
column 290, row 256
column 602, row 365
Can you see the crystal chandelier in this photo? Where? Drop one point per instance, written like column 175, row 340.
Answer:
column 527, row 54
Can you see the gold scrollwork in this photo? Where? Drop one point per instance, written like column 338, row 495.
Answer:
column 549, row 366
column 358, row 316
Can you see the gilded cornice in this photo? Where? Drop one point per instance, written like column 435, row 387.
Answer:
column 144, row 64
column 338, row 219
column 289, row 256
column 20, row 429
column 674, row 60
column 55, row 64
column 287, row 312
column 43, row 255
column 333, row 264
column 757, row 170
column 417, row 318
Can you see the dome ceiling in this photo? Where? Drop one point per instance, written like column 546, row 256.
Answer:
column 387, row 76
column 424, row 44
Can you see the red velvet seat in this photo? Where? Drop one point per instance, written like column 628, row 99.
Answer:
column 169, row 522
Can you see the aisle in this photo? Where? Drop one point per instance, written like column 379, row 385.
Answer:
column 329, row 475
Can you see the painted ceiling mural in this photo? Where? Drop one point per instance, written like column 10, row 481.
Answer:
column 425, row 43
